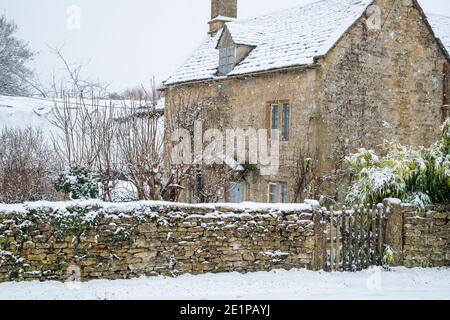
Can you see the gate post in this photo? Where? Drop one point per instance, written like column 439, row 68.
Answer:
column 394, row 228
column 319, row 258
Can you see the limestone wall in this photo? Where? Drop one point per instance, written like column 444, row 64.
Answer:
column 51, row 241
column 382, row 83
column 95, row 240
column 419, row 239
column 248, row 105
column 426, row 239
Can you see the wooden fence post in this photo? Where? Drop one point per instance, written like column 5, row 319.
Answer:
column 320, row 251
column 394, row 228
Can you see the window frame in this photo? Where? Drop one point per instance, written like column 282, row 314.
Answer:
column 283, row 119
column 227, row 59
column 269, row 193
column 274, row 125
column 277, row 193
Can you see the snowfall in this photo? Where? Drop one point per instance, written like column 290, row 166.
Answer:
column 373, row 284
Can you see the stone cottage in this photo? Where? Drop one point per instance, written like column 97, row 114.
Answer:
column 332, row 76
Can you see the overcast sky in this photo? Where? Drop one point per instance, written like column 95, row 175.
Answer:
column 126, row 42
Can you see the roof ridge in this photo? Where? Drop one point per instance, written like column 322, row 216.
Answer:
column 304, row 5
column 296, row 37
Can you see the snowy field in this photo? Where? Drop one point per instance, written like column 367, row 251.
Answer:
column 400, row 283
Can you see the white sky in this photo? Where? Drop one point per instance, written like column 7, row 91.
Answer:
column 127, row 42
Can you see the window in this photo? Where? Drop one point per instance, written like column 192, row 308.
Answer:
column 235, row 192
column 278, row 122
column 272, row 193
column 274, row 120
column 278, row 192
column 226, row 60
column 285, row 122
column 284, row 193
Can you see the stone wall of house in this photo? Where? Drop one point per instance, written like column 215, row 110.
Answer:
column 374, row 85
column 419, row 239
column 381, row 84
column 104, row 241
column 248, row 102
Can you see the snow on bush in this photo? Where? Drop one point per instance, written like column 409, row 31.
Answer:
column 419, row 176
column 77, row 183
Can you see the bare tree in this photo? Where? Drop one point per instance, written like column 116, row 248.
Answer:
column 70, row 82
column 185, row 108
column 86, row 139
column 27, row 166
column 140, row 142
column 137, row 94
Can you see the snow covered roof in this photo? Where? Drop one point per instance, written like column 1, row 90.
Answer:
column 23, row 112
column 223, row 18
column 20, row 112
column 246, row 34
column 286, row 38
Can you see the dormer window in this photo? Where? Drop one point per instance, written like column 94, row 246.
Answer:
column 227, row 60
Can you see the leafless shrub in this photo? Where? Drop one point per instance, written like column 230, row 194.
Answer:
column 86, row 139
column 186, row 108
column 139, row 137
column 26, row 166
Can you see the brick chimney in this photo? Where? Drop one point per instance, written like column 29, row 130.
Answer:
column 222, row 11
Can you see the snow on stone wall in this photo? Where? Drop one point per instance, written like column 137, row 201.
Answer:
column 426, row 238
column 84, row 240
column 419, row 239
column 44, row 241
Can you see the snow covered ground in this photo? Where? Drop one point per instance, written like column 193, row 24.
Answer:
column 400, row 283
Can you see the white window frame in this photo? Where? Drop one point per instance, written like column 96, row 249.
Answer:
column 269, row 193
column 280, row 120
column 277, row 193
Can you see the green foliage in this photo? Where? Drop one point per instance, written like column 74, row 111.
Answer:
column 420, row 176
column 12, row 263
column 388, row 257
column 77, row 183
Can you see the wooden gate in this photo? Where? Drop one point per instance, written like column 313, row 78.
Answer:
column 354, row 238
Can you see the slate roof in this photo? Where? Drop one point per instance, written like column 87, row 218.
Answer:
column 286, row 38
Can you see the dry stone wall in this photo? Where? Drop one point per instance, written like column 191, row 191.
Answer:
column 419, row 239
column 100, row 241
column 426, row 238
column 95, row 240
